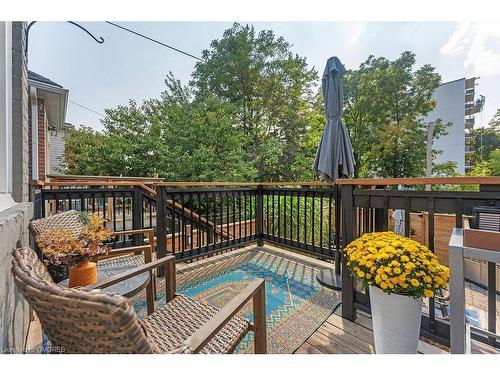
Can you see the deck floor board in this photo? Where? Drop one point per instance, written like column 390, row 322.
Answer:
column 340, row 336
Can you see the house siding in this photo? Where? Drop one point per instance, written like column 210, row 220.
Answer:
column 20, row 122
column 42, row 140
column 56, row 151
column 14, row 311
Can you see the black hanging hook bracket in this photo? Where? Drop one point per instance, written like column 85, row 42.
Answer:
column 100, row 40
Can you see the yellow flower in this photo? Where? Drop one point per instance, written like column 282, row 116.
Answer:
column 439, row 281
column 409, row 266
column 393, row 261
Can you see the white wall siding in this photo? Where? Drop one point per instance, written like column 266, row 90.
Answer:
column 56, row 151
column 450, row 108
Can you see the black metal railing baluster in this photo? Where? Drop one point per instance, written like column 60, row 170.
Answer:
column 239, row 216
column 407, row 217
column 227, row 219
column 221, row 206
column 291, row 218
column 330, row 197
column 173, row 229
column 268, row 223
column 123, row 213
column 298, row 219
column 313, row 216
column 305, row 220
column 284, row 217
column 321, row 223
column 191, row 239
column 114, row 211
column 245, row 196
column 274, row 232
column 432, row 312
column 279, row 216
column 253, row 217
column 233, row 214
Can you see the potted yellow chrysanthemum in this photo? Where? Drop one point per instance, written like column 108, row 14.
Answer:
column 399, row 273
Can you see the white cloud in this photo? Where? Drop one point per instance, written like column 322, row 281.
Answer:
column 356, row 32
column 479, row 43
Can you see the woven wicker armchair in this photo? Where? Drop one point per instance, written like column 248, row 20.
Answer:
column 86, row 320
column 71, row 220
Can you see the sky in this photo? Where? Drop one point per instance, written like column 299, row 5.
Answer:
column 126, row 67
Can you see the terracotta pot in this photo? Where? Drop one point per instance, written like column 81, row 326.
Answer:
column 82, row 274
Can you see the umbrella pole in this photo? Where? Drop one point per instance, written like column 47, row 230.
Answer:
column 327, row 277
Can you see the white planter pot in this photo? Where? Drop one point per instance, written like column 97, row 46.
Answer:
column 396, row 322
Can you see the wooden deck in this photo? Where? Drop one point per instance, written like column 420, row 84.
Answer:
column 335, row 336
column 339, row 336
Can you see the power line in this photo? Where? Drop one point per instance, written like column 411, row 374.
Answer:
column 87, row 108
column 155, row 41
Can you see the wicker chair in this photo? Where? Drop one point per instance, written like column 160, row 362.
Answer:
column 71, row 220
column 87, row 320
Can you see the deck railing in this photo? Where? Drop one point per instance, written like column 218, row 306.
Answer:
column 198, row 222
column 369, row 210
column 193, row 220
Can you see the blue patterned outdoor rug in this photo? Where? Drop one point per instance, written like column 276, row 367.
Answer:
column 296, row 304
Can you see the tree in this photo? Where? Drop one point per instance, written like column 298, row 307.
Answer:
column 253, row 111
column 176, row 137
column 384, row 104
column 487, row 139
column 495, row 162
column 84, row 150
column 482, row 168
column 271, row 96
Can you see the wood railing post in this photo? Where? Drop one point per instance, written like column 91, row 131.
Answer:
column 161, row 225
column 259, row 218
column 137, row 239
column 259, row 316
column 348, row 235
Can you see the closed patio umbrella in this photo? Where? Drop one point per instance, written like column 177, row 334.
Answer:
column 334, row 158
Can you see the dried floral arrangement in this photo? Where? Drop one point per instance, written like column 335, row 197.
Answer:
column 60, row 246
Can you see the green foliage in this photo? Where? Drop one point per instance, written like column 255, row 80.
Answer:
column 270, row 90
column 487, row 139
column 253, row 112
column 495, row 162
column 84, row 152
column 384, row 103
column 482, row 168
column 448, row 169
column 289, row 216
column 174, row 137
